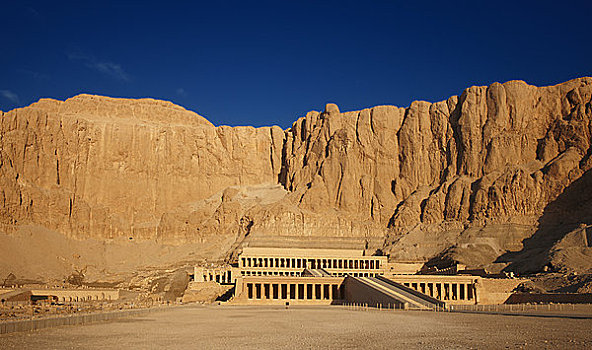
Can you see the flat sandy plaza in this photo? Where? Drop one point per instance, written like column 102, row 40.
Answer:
column 266, row 327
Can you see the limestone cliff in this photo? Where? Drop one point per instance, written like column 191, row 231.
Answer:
column 102, row 167
column 470, row 179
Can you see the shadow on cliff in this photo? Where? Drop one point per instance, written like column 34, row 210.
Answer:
column 571, row 209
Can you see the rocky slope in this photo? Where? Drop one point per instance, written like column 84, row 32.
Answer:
column 498, row 176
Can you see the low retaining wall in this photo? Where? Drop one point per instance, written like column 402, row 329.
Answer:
column 39, row 323
column 523, row 298
column 493, row 291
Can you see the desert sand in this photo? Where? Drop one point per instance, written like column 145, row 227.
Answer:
column 318, row 328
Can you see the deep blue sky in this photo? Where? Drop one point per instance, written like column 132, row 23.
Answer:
column 263, row 63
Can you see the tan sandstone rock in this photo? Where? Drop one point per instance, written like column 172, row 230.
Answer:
column 468, row 179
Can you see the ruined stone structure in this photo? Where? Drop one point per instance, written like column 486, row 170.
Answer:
column 61, row 295
column 218, row 274
column 75, row 295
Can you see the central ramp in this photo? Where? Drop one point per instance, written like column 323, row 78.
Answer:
column 378, row 290
column 316, row 273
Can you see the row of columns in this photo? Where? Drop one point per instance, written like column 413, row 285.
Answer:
column 220, row 276
column 445, row 291
column 295, row 291
column 301, row 263
column 271, row 273
column 101, row 296
column 297, row 273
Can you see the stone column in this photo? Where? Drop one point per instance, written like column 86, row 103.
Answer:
column 476, row 293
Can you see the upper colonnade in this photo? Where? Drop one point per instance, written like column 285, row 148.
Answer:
column 292, row 261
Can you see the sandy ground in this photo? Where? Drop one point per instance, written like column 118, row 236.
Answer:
column 319, row 327
column 39, row 254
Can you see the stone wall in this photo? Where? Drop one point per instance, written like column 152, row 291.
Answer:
column 491, row 291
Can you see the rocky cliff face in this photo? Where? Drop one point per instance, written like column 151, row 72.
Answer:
column 102, row 167
column 467, row 179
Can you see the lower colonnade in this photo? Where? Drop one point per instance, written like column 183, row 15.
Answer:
column 331, row 290
column 323, row 290
column 451, row 289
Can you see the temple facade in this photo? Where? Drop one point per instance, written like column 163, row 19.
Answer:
column 255, row 261
column 266, row 275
